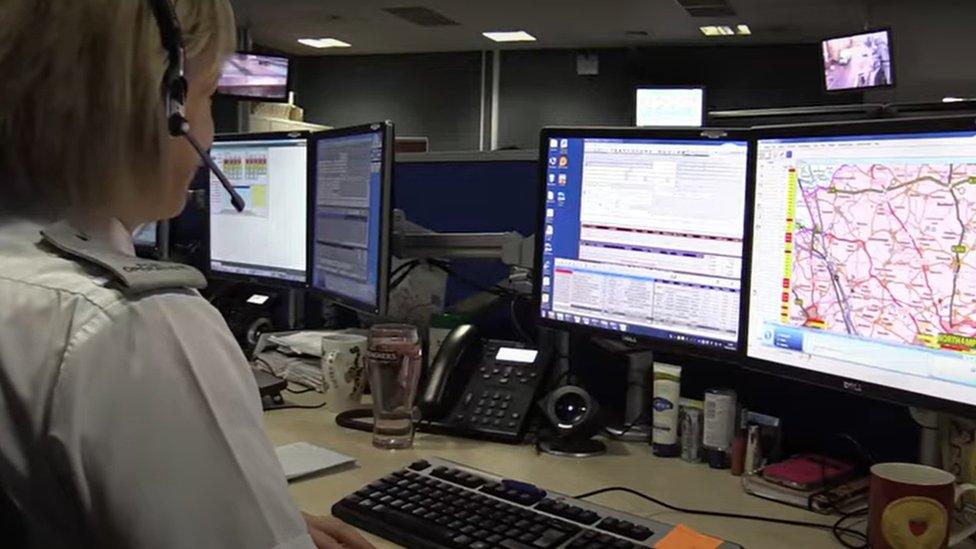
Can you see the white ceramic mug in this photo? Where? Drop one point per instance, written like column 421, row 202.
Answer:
column 343, row 370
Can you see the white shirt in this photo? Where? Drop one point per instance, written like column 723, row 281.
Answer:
column 128, row 421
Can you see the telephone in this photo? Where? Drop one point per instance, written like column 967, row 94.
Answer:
column 481, row 388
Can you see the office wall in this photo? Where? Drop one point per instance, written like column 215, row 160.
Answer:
column 433, row 95
column 541, row 87
column 932, row 47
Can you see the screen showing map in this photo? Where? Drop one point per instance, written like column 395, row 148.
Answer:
column 863, row 264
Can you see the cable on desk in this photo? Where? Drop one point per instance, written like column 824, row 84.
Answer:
column 295, row 407
column 840, row 531
column 834, row 528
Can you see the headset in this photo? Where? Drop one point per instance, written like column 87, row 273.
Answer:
column 174, row 90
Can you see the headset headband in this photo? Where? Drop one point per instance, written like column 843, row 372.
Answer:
column 174, row 85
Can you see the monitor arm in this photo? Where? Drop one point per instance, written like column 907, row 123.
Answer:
column 412, row 241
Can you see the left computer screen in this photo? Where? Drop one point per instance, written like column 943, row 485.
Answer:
column 267, row 239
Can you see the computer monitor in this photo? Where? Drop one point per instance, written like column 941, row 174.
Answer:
column 640, row 235
column 863, row 271
column 257, row 77
column 151, row 240
column 671, row 106
column 858, row 61
column 265, row 243
column 350, row 173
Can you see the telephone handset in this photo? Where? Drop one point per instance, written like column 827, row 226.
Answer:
column 445, row 377
column 481, row 388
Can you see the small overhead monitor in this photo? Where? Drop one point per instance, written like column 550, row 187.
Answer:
column 671, row 106
column 151, row 240
column 265, row 243
column 349, row 216
column 256, row 77
column 640, row 235
column 863, row 264
column 858, row 61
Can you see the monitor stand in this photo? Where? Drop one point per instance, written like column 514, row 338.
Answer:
column 636, row 426
column 929, row 452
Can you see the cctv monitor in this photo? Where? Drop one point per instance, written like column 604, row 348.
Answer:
column 349, row 216
column 863, row 270
column 266, row 242
column 858, row 61
column 641, row 235
column 671, row 106
column 256, row 77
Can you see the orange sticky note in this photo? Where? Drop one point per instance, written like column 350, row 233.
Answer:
column 682, row 537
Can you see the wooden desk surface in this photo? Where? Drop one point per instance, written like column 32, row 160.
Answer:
column 626, row 464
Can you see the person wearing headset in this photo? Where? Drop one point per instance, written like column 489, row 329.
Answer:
column 128, row 415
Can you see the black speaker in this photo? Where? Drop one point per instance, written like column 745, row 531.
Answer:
column 575, row 419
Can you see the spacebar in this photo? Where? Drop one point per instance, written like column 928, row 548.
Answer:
column 430, row 530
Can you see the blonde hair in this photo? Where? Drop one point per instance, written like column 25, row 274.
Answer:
column 81, row 107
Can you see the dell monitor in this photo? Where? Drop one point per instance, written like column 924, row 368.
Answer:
column 256, row 77
column 265, row 243
column 640, row 235
column 671, row 106
column 349, row 219
column 863, row 265
column 151, row 240
column 858, row 61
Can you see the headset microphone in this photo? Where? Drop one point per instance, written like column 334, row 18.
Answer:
column 175, row 90
column 235, row 198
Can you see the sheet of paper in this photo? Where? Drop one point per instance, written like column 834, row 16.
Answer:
column 302, row 459
column 682, row 537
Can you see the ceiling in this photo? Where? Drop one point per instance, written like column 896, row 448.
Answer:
column 556, row 23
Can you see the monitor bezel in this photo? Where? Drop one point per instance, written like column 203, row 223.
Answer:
column 833, row 381
column 704, row 105
column 891, row 55
column 159, row 250
column 266, row 281
column 386, row 221
column 261, row 99
column 654, row 343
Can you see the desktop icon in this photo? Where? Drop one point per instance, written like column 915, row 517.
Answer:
column 563, row 161
column 553, row 143
column 623, row 327
column 560, row 198
column 552, row 178
column 562, row 179
column 546, row 265
column 564, row 144
column 546, row 281
column 551, row 196
column 550, row 213
column 553, row 160
column 545, row 298
column 550, row 230
column 548, row 247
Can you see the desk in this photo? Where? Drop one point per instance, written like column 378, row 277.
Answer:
column 626, row 464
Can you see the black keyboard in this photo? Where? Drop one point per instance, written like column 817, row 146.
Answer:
column 439, row 504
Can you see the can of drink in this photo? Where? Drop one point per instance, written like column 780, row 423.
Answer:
column 691, row 434
column 719, row 426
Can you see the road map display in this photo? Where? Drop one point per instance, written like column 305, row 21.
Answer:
column 881, row 250
column 864, row 255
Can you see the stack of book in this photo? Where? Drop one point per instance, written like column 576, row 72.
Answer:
column 844, row 497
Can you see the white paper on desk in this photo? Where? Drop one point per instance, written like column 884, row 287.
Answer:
column 302, row 459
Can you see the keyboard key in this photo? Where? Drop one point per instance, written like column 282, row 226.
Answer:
column 513, row 544
column 420, row 465
column 462, row 540
column 493, row 539
column 479, row 545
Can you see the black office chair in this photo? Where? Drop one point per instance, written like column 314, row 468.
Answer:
column 13, row 533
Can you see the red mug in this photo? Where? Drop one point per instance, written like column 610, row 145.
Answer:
column 911, row 507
